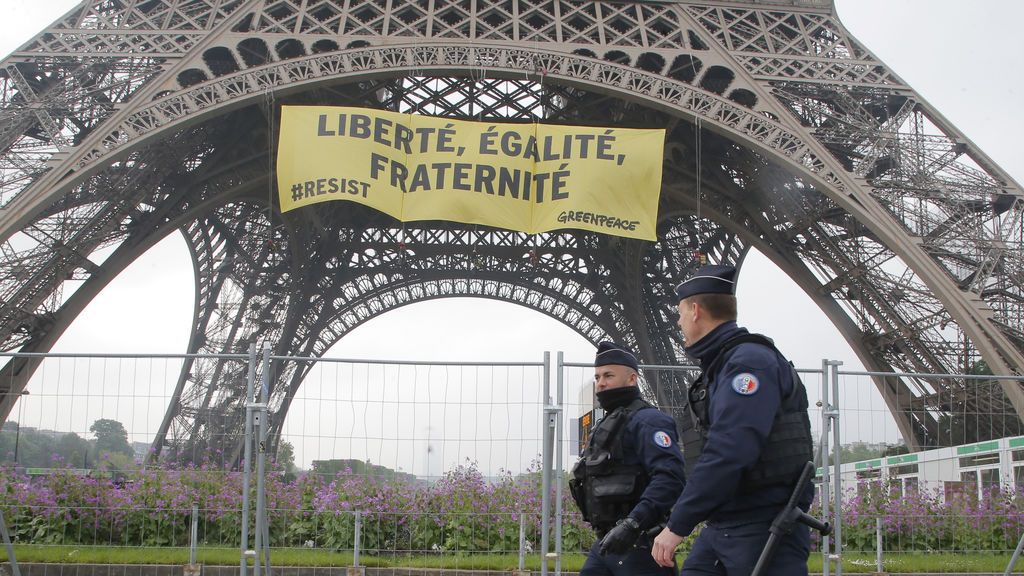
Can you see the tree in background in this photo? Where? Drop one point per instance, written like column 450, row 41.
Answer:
column 27, row 446
column 34, row 448
column 331, row 468
column 111, row 439
column 74, row 450
column 8, row 440
column 286, row 460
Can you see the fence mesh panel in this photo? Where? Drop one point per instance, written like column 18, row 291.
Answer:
column 444, row 460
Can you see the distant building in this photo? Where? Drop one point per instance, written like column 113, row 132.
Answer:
column 140, row 451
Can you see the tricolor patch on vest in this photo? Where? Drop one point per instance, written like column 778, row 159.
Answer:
column 662, row 439
column 745, row 384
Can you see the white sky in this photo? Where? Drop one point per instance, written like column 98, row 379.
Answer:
column 962, row 57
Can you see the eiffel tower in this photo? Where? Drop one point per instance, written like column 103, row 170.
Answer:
column 128, row 120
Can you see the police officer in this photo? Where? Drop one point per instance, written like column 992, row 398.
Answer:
column 746, row 438
column 630, row 473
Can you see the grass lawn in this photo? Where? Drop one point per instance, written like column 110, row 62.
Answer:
column 852, row 563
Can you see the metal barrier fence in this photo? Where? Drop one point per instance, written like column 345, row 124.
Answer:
column 396, row 460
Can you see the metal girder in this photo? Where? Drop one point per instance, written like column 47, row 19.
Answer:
column 124, row 119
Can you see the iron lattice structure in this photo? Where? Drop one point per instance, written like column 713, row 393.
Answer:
column 127, row 120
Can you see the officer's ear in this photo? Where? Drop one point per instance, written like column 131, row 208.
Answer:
column 699, row 311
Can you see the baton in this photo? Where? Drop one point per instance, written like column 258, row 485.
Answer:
column 788, row 518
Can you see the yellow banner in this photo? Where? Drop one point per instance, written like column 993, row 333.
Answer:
column 526, row 177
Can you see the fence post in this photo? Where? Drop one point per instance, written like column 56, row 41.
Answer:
column 194, row 536
column 266, row 544
column 878, row 544
column 837, row 479
column 261, row 461
column 558, row 465
column 193, row 569
column 357, row 538
column 549, row 421
column 1013, row 559
column 247, row 459
column 825, row 457
column 10, row 548
column 522, row 542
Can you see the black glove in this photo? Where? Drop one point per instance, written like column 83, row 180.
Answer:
column 621, row 538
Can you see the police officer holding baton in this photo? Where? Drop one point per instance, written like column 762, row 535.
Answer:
column 630, row 473
column 746, row 436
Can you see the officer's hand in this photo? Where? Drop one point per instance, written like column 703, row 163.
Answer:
column 664, row 549
column 622, row 537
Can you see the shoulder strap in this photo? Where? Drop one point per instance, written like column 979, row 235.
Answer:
column 627, row 415
column 607, row 432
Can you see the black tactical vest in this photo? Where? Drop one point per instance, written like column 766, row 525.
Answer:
column 789, row 445
column 604, row 487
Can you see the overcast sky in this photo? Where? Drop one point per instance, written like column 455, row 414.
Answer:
column 962, row 57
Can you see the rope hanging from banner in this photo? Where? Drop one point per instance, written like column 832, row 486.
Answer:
column 269, row 103
column 402, row 247
column 474, row 257
column 699, row 255
column 698, row 154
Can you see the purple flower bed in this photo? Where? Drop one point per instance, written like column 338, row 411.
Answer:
column 462, row 511
column 925, row 521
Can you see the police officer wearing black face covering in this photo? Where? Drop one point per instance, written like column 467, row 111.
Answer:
column 630, row 473
column 746, row 437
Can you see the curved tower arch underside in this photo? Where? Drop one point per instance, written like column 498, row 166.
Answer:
column 808, row 147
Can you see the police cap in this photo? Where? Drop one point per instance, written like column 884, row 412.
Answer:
column 612, row 353
column 711, row 279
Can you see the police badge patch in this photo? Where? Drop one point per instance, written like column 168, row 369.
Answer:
column 745, row 384
column 662, row 439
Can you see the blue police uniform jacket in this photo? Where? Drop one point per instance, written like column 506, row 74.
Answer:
column 650, row 440
column 632, row 466
column 745, row 395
